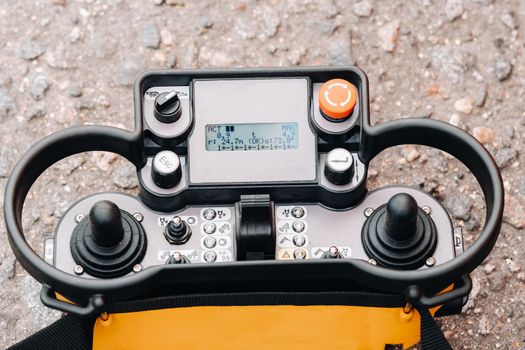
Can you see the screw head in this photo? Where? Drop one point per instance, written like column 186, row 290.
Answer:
column 372, row 262
column 138, row 216
column 78, row 269
column 368, row 211
column 431, row 261
column 427, row 209
column 137, row 268
column 79, row 217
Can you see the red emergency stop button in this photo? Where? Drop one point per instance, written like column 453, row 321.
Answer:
column 337, row 99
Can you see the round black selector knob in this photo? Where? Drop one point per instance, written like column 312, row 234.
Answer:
column 177, row 231
column 166, row 169
column 105, row 223
column 399, row 234
column 339, row 166
column 167, row 107
column 108, row 242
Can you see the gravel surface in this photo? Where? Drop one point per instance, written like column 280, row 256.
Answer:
column 67, row 63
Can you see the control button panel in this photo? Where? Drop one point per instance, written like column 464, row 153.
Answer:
column 215, row 234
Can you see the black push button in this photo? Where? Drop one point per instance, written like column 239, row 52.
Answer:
column 339, row 166
column 166, row 170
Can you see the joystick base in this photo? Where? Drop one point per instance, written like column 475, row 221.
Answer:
column 108, row 262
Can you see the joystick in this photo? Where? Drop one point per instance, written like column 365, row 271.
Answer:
column 332, row 253
column 177, row 258
column 108, row 242
column 105, row 223
column 399, row 234
column 177, row 231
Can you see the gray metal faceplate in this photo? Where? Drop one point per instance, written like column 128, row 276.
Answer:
column 321, row 228
column 251, row 101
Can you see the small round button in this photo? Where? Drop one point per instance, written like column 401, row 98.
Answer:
column 299, row 240
column 210, row 256
column 337, row 99
column 167, row 107
column 165, row 169
column 210, row 228
column 297, row 212
column 298, row 226
column 299, row 254
column 210, row 242
column 339, row 166
column 209, row 214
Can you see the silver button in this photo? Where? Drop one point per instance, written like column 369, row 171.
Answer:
column 297, row 212
column 339, row 167
column 210, row 242
column 299, row 254
column 299, row 240
column 298, row 226
column 209, row 228
column 339, row 160
column 209, row 214
column 210, row 256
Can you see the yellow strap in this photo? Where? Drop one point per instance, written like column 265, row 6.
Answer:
column 258, row 328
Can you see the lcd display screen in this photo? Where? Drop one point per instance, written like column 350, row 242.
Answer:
column 252, row 137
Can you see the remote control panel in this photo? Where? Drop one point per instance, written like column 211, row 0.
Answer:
column 253, row 178
column 259, row 168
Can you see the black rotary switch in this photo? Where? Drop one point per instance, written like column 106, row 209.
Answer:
column 105, row 223
column 177, row 231
column 167, row 107
column 166, row 169
column 108, row 242
column 339, row 166
column 399, row 234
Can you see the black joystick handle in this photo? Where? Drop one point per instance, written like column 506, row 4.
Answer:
column 105, row 222
column 401, row 217
column 399, row 234
column 108, row 242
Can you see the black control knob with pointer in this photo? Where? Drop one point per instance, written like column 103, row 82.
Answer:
column 167, row 107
